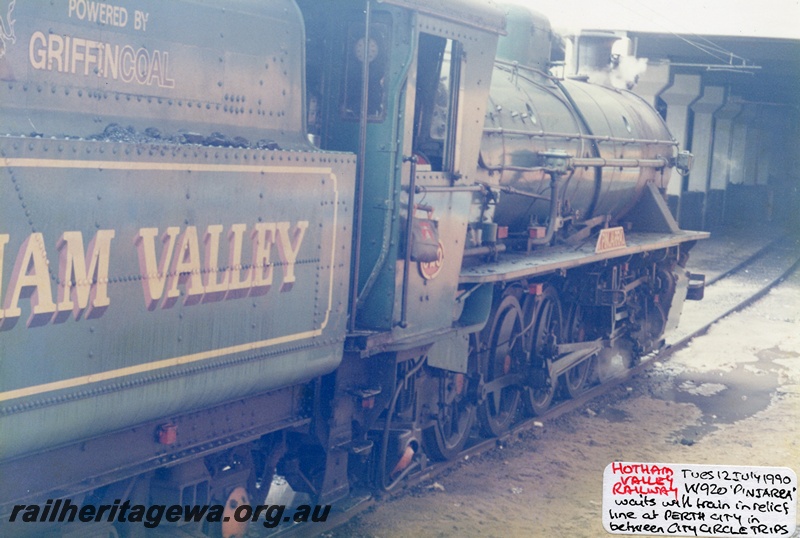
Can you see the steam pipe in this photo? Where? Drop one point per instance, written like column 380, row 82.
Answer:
column 554, row 221
column 578, row 136
column 488, row 250
column 620, row 163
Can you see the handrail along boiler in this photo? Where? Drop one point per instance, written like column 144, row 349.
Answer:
column 329, row 240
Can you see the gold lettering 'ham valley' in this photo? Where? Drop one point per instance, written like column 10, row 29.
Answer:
column 181, row 268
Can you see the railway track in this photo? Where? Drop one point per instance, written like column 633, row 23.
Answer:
column 727, row 292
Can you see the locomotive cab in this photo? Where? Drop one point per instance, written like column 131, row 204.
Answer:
column 425, row 94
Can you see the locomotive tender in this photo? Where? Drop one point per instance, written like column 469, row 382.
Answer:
column 328, row 238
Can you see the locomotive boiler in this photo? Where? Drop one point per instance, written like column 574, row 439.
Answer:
column 617, row 146
column 330, row 240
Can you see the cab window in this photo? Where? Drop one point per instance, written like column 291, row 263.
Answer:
column 435, row 113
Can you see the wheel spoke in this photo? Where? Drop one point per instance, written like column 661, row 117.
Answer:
column 575, row 380
column 496, row 400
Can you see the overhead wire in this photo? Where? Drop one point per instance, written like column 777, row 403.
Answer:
column 712, row 49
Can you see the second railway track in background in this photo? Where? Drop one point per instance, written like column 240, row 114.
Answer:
column 726, row 292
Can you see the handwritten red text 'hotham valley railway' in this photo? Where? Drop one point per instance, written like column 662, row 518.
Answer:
column 643, row 480
column 181, row 268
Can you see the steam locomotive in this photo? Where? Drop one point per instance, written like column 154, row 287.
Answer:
column 333, row 240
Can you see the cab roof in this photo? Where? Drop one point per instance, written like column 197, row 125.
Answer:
column 484, row 14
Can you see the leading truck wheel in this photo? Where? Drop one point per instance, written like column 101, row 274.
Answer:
column 505, row 356
column 545, row 314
